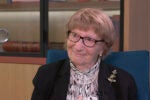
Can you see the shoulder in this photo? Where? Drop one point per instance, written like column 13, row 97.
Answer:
column 125, row 83
column 122, row 74
column 52, row 67
column 47, row 73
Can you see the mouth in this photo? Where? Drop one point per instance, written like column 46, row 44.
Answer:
column 79, row 54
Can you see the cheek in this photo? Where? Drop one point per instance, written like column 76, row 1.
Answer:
column 69, row 46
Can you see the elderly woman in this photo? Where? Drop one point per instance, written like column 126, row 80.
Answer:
column 84, row 76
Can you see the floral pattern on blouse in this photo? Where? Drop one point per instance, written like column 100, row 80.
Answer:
column 83, row 85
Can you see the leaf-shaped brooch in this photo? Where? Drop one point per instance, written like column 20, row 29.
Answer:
column 112, row 77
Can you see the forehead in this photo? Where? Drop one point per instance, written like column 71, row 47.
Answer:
column 87, row 27
column 90, row 32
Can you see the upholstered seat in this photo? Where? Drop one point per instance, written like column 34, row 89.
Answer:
column 134, row 62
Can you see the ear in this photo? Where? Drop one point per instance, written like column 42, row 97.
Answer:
column 101, row 53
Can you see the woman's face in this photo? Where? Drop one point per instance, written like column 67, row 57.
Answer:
column 81, row 55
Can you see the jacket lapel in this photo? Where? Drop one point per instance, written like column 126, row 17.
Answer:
column 106, row 91
column 62, row 81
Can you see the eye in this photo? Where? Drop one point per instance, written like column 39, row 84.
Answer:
column 74, row 34
column 89, row 39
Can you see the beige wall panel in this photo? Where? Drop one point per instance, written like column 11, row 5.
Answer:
column 16, row 81
column 126, row 25
column 139, row 30
column 3, row 1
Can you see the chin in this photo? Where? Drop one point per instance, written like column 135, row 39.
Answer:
column 78, row 61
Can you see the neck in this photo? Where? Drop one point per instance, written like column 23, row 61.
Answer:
column 85, row 67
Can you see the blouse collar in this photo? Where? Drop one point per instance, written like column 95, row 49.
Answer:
column 90, row 71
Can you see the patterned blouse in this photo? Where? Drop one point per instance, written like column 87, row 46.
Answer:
column 83, row 85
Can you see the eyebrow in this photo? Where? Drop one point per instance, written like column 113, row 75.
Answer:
column 84, row 36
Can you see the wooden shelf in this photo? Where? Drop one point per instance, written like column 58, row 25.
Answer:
column 35, row 6
column 108, row 5
column 20, row 6
column 22, row 60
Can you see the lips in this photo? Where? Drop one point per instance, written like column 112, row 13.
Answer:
column 79, row 54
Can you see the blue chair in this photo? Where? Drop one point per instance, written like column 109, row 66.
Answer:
column 55, row 55
column 134, row 62
column 137, row 64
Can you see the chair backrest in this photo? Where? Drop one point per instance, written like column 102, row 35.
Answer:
column 137, row 64
column 134, row 62
column 55, row 55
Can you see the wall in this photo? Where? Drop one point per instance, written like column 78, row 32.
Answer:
column 16, row 81
column 3, row 1
column 137, row 25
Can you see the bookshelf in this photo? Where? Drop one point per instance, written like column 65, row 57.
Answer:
column 34, row 6
column 107, row 5
column 25, row 14
column 63, row 10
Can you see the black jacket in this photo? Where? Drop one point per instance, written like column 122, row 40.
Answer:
column 51, row 83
